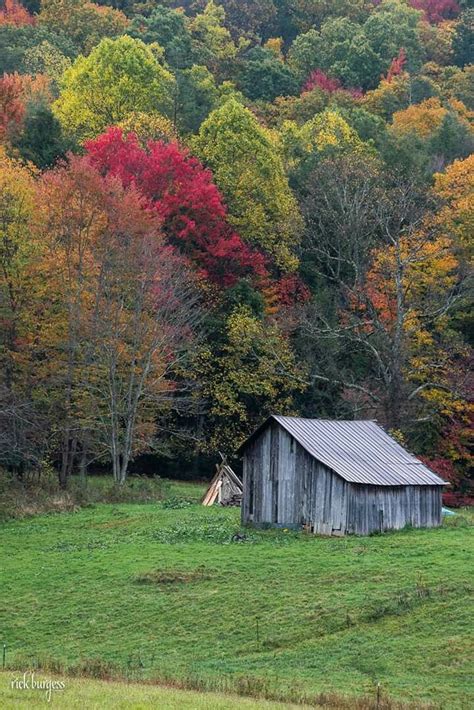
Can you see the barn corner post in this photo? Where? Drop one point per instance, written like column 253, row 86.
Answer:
column 334, row 478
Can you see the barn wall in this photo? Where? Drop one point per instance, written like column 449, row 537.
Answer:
column 257, row 480
column 284, row 485
column 323, row 496
column 270, row 479
column 372, row 508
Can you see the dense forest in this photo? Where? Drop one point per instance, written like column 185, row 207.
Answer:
column 214, row 211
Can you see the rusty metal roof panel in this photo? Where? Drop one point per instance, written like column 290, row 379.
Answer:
column 359, row 451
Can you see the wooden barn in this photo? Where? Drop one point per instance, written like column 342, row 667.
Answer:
column 334, row 478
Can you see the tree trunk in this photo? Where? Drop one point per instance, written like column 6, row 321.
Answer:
column 395, row 394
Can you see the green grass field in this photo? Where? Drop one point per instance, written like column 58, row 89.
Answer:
column 159, row 591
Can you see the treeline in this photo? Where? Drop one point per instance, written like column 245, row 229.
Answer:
column 210, row 212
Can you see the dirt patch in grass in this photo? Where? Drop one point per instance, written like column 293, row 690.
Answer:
column 115, row 523
column 173, row 576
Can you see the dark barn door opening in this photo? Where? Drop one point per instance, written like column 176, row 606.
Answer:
column 275, row 502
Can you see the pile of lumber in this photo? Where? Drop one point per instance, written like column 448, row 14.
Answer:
column 234, row 501
column 225, row 487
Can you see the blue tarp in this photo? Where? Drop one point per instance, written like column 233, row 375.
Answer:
column 446, row 511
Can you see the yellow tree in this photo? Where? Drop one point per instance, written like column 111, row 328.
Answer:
column 455, row 187
column 392, row 279
column 119, row 77
column 248, row 169
column 148, row 127
column 211, row 40
column 116, row 314
column 427, row 117
column 23, row 440
column 16, row 251
column 250, row 373
column 424, row 118
column 326, row 133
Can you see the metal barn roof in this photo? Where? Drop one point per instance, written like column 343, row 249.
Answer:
column 359, row 451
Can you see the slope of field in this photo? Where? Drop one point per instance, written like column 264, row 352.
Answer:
column 161, row 591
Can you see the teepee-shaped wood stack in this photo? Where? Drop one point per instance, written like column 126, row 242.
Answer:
column 225, row 487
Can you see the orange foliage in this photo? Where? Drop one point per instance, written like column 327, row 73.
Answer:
column 428, row 268
column 36, row 88
column 16, row 90
column 424, row 118
column 13, row 13
column 12, row 107
column 396, row 67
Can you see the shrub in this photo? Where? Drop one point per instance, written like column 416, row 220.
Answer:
column 39, row 492
column 457, row 500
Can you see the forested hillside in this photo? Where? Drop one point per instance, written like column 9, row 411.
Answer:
column 210, row 212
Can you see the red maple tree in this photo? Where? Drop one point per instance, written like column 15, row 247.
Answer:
column 181, row 192
column 12, row 106
column 437, row 10
column 318, row 79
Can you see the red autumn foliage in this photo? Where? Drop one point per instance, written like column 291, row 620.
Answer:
column 457, row 500
column 13, row 13
column 459, row 493
column 291, row 290
column 181, row 192
column 396, row 67
column 444, row 468
column 12, row 107
column 320, row 80
column 437, row 10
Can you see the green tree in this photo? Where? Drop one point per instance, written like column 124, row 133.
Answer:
column 463, row 40
column 15, row 42
column 248, row 374
column 358, row 54
column 168, row 28
column 249, row 171
column 84, row 22
column 303, row 55
column 45, row 58
column 265, row 76
column 453, row 140
column 324, row 136
column 313, row 13
column 117, row 78
column 211, row 40
column 42, row 141
column 393, row 25
column 198, row 94
column 340, row 48
column 459, row 84
column 249, row 18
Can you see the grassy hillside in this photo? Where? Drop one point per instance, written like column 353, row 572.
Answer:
column 160, row 591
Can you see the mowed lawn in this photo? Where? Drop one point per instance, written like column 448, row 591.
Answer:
column 160, row 591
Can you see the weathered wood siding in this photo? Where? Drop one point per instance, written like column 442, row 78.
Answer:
column 372, row 508
column 286, row 486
